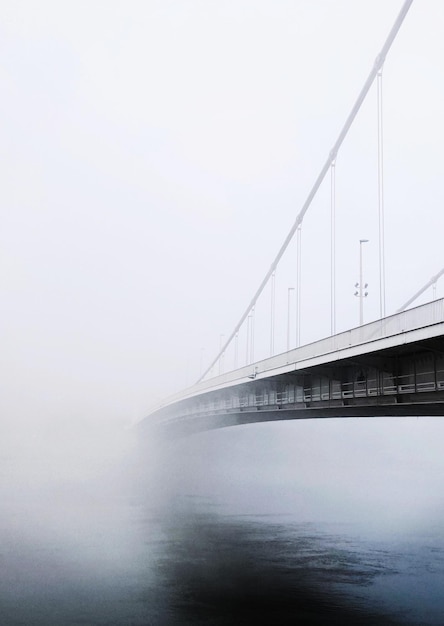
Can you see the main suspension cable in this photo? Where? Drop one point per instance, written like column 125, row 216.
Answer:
column 379, row 61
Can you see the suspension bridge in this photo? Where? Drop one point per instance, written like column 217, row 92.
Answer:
column 392, row 366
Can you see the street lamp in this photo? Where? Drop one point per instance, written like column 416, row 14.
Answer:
column 290, row 289
column 360, row 286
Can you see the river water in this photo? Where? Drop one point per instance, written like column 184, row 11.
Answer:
column 316, row 522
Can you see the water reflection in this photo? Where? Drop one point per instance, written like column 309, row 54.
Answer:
column 247, row 545
column 230, row 570
column 185, row 565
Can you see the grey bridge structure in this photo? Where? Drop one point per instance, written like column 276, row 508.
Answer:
column 391, row 367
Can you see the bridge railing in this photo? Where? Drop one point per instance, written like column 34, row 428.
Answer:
column 425, row 382
column 411, row 319
column 408, row 320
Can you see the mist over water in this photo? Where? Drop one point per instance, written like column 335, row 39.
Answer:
column 314, row 522
column 150, row 174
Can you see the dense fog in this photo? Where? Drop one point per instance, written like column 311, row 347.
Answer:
column 154, row 156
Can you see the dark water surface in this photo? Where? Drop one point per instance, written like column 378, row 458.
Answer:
column 259, row 526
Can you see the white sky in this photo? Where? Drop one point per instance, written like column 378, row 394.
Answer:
column 153, row 158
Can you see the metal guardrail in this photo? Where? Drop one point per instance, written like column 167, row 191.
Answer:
column 408, row 320
column 425, row 382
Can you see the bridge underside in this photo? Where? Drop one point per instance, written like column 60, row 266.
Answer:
column 180, row 428
column 404, row 381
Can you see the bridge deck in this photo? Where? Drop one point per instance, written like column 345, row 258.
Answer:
column 391, row 366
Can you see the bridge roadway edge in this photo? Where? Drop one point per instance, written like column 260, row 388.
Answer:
column 177, row 428
column 414, row 338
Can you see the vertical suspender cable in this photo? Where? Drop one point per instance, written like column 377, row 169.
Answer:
column 252, row 337
column 381, row 196
column 333, row 246
column 379, row 61
column 222, row 354
column 272, row 312
column 290, row 289
column 298, row 284
column 247, row 353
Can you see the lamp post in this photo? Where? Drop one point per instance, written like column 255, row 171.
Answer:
column 360, row 286
column 290, row 289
